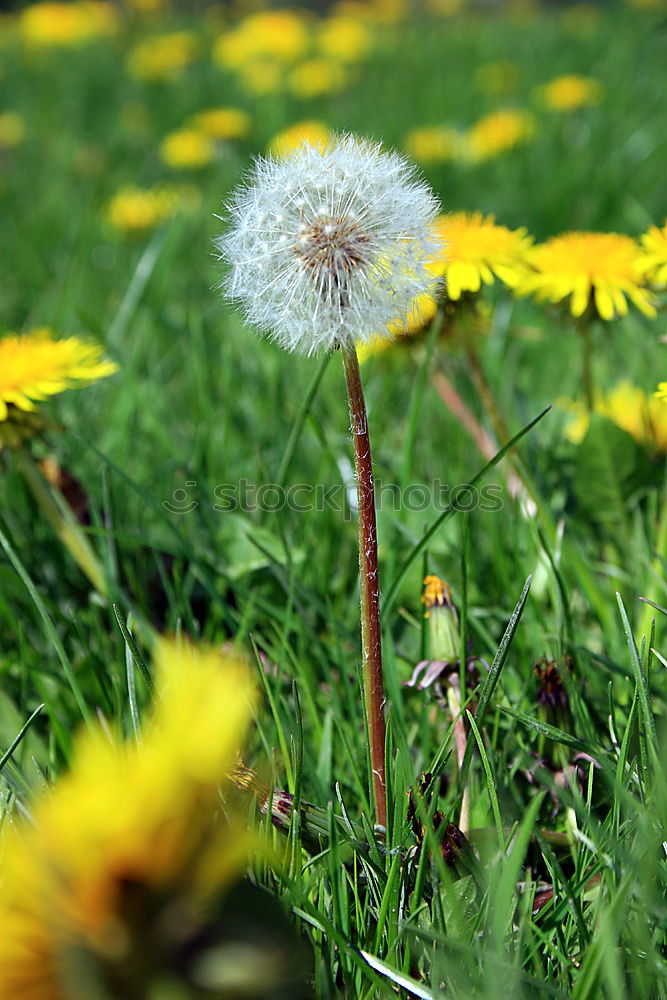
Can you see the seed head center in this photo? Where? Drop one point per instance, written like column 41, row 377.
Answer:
column 332, row 248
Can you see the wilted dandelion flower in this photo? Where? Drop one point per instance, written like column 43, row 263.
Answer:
column 478, row 250
column 328, row 246
column 35, row 365
column 600, row 270
column 654, row 259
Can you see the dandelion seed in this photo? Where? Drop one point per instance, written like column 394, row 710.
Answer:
column 345, row 251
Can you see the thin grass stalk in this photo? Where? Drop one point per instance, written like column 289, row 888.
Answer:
column 371, row 642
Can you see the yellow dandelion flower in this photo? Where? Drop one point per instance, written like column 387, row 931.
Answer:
column 432, row 144
column 316, row 77
column 661, row 392
column 281, row 35
column 344, row 38
column 187, row 149
column 130, row 837
column 568, row 93
column 66, row 24
column 12, row 130
column 477, row 250
column 136, row 210
column 163, row 57
column 497, row 133
column 223, row 123
column 261, row 76
column 35, row 366
column 311, row 131
column 601, row 270
column 497, row 79
column 653, row 262
column 639, row 414
column 421, row 312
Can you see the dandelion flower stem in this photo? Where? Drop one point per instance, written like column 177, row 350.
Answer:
column 371, row 643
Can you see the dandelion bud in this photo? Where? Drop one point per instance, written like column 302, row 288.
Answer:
column 444, row 634
column 330, row 245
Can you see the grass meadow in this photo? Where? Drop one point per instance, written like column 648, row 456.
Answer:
column 182, row 472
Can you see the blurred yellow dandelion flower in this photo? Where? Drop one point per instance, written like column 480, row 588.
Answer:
column 344, row 38
column 135, row 210
column 477, row 250
column 661, row 392
column 497, row 79
column 130, row 837
column 568, row 93
column 261, row 76
column 223, row 123
column 163, row 57
column 65, row 24
column 432, row 144
column 497, row 133
column 653, row 262
column 316, row 77
column 600, row 270
column 281, row 35
column 12, row 129
column 639, row 414
column 35, row 365
column 187, row 149
column 315, row 133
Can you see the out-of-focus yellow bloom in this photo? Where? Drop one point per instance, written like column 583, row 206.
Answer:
column 130, row 838
column 186, row 149
column 567, row 93
column 261, row 76
column 432, row 144
column 661, row 392
column 316, row 77
column 148, row 6
column 12, row 130
column 223, row 123
column 581, row 20
column 600, row 270
column 163, row 57
column 281, row 35
column 642, row 416
column 653, row 262
column 422, row 310
column 497, row 79
column 446, row 8
column 497, row 133
column 63, row 24
column 476, row 249
column 344, row 38
column 135, row 210
column 313, row 132
column 35, row 365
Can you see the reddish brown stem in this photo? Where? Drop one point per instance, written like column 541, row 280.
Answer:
column 371, row 644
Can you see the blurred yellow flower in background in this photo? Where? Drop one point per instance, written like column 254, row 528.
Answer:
column 163, row 57
column 187, row 149
column 600, row 270
column 497, row 79
column 129, row 847
column 66, row 24
column 653, row 262
column 497, row 133
column 281, row 35
column 12, row 129
column 477, row 250
column 261, row 76
column 344, row 38
column 433, row 144
column 223, row 123
column 35, row 365
column 135, row 210
column 316, row 77
column 568, row 93
column 314, row 132
column 641, row 415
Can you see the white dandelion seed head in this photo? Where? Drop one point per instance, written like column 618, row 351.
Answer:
column 330, row 245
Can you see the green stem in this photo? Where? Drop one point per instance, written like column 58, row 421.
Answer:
column 371, row 644
column 62, row 519
column 587, row 381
